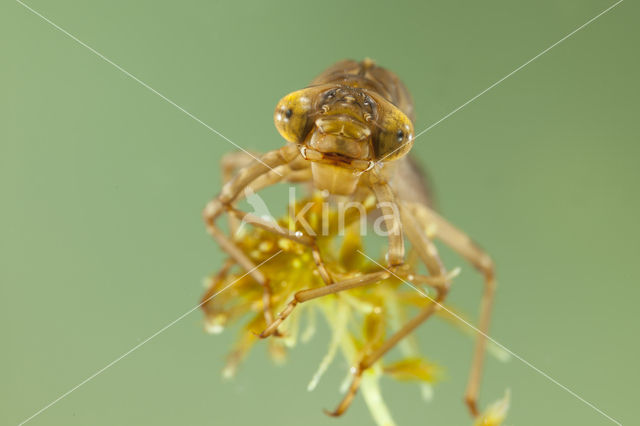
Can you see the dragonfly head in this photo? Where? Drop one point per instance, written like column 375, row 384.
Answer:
column 344, row 131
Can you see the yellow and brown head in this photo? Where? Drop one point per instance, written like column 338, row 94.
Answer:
column 343, row 128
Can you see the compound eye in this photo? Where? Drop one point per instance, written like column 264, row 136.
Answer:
column 395, row 138
column 291, row 116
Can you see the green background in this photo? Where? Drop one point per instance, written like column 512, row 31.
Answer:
column 102, row 183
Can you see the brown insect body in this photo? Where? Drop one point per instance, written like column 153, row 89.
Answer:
column 349, row 133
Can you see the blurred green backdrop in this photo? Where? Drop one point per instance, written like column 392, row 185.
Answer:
column 103, row 182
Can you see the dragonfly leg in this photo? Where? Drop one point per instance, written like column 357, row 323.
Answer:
column 313, row 293
column 440, row 228
column 262, row 171
column 438, row 280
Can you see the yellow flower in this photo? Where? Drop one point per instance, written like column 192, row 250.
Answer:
column 359, row 319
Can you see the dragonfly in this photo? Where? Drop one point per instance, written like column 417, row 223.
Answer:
column 349, row 134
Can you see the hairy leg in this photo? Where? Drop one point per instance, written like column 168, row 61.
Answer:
column 231, row 163
column 440, row 228
column 270, row 163
column 359, row 281
column 429, row 255
column 389, row 209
